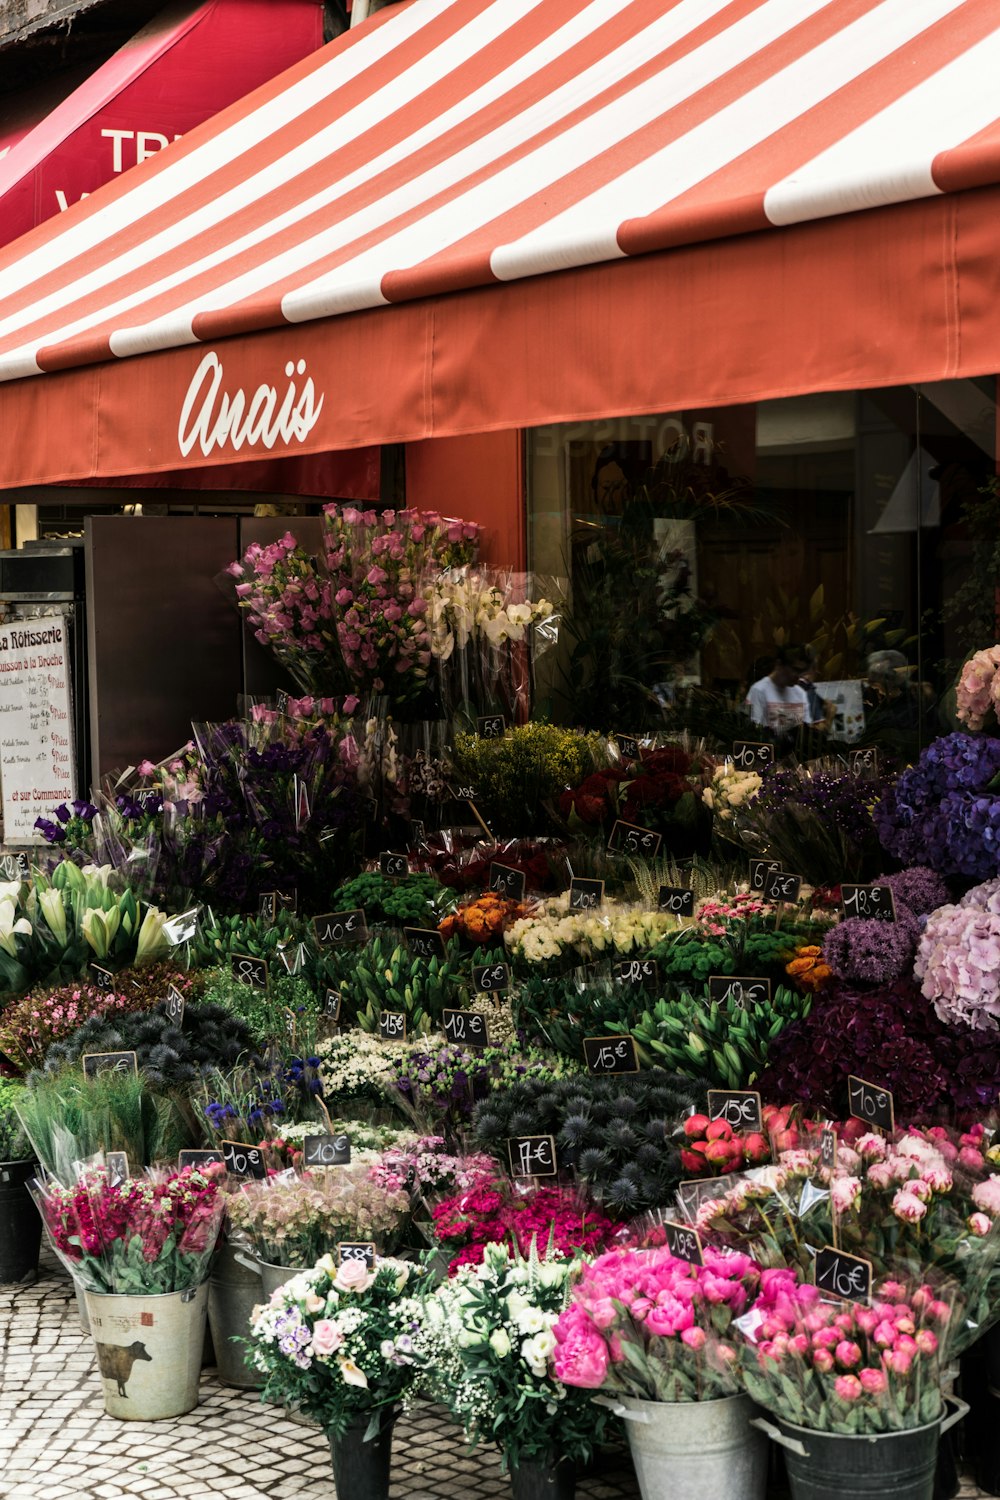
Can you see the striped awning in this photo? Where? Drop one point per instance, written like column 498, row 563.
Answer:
column 704, row 160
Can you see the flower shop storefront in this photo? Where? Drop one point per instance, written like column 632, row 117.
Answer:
column 574, row 1001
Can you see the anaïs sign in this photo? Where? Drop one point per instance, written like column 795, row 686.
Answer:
column 216, row 418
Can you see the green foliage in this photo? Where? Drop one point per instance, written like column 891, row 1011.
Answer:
column 618, row 1134
column 389, row 977
column 220, row 938
column 515, row 776
column 69, row 1118
column 264, row 1013
column 721, row 1045
column 14, row 1145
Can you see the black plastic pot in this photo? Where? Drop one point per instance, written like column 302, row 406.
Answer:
column 360, row 1469
column 544, row 1480
column 20, row 1223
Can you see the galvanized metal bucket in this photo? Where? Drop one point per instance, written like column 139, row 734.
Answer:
column 149, row 1352
column 233, row 1292
column 694, row 1450
column 832, row 1465
column 20, row 1223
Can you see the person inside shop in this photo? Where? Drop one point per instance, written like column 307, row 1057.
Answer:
column 778, row 701
column 890, row 697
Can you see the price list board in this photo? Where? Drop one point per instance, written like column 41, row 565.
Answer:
column 37, row 769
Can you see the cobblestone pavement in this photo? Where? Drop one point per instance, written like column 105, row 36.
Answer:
column 56, row 1443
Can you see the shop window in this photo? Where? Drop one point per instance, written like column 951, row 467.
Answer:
column 698, row 546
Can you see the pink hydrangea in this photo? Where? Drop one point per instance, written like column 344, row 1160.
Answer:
column 958, row 962
column 978, row 691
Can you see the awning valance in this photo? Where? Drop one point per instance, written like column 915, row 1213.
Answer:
column 576, row 208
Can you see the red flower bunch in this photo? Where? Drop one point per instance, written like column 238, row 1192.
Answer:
column 714, row 1148
column 663, row 791
column 487, row 1215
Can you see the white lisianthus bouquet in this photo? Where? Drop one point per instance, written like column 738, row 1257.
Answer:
column 552, row 931
column 334, row 1341
column 485, row 1347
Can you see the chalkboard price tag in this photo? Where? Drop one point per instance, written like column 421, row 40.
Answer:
column 424, row 942
column 493, row 979
column 628, row 748
column 288, row 900
column 465, row 1027
column 828, row 1147
column 175, row 1005
column 585, row 895
column 109, row 1062
column 464, row 791
column 870, row 1103
column 842, row 1275
column 677, row 900
column 743, row 990
column 691, row 1195
column 356, row 1250
column 198, row 1158
column 740, row 1108
column 491, row 726
column 326, row 1151
column 268, row 906
column 863, row 762
column 340, row 929
column 332, row 1002
column 751, row 755
column 418, row 831
column 507, row 882
column 610, row 1055
column 532, row 1155
column 876, row 903
column 392, row 1025
column 684, row 1243
column 117, row 1165
column 242, row 1160
column 635, row 971
column 394, row 865
column 780, row 886
column 760, row 871
column 249, row 970
column 629, row 838
column 103, row 978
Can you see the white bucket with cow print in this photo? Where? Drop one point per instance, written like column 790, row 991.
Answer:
column 149, row 1352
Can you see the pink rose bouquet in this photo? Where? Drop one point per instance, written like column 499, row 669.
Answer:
column 147, row 1235
column 844, row 1367
column 659, row 1329
column 978, row 693
column 335, row 1341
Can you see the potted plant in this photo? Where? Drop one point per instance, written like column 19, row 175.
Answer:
column 655, row 1334
column 486, row 1345
column 854, row 1390
column 20, row 1226
column 141, row 1250
column 334, row 1341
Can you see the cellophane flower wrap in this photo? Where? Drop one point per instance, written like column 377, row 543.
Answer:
column 486, row 1350
column 650, row 1326
column 842, row 1367
column 152, row 1234
column 922, row 1205
column 945, row 811
column 816, row 819
column 487, row 1212
column 289, row 602
column 336, row 1342
column 293, row 1221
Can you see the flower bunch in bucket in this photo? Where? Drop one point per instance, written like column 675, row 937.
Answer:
column 647, row 1325
column 293, row 1221
column 846, row 1367
column 335, row 1340
column 146, row 1235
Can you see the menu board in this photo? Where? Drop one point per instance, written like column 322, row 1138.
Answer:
column 36, row 726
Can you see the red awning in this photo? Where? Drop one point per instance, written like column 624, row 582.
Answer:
column 578, row 207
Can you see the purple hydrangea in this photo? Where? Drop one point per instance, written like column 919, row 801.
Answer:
column 868, row 951
column 945, row 811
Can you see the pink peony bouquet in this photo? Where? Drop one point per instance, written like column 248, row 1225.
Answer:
column 656, row 1328
column 147, row 1235
column 843, row 1367
column 978, row 692
column 958, row 959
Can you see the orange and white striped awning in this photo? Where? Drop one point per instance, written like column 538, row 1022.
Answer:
column 577, row 207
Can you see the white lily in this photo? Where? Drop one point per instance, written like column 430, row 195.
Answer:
column 152, row 938
column 10, row 925
column 99, row 928
column 54, row 912
column 10, row 890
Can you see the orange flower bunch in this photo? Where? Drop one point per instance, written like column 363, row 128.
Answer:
column 484, row 920
column 808, row 969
